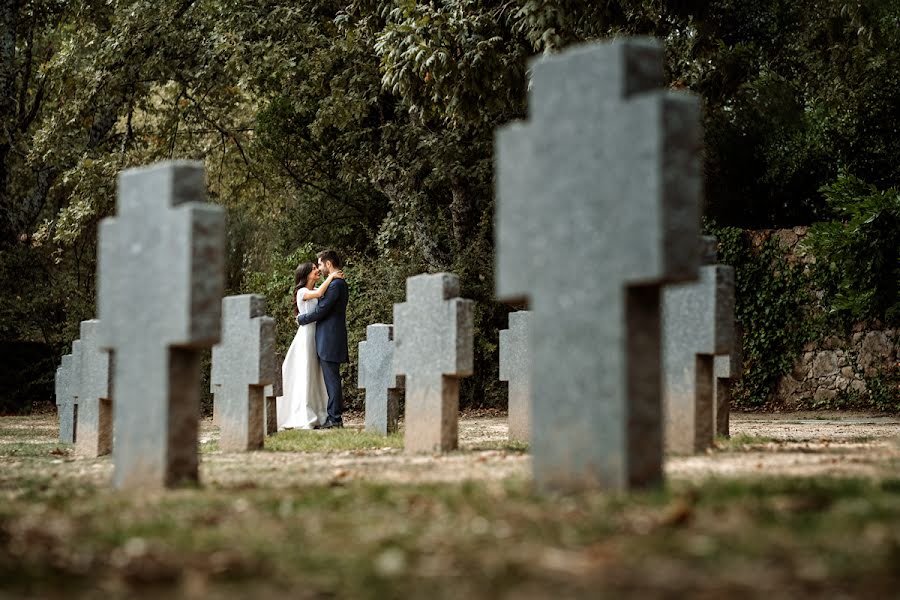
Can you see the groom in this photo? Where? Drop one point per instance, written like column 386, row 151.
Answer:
column 331, row 334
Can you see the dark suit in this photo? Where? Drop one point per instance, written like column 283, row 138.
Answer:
column 330, row 317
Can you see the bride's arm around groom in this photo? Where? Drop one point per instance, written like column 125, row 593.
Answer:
column 330, row 317
column 333, row 296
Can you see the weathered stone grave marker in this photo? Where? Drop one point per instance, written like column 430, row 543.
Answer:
column 95, row 396
column 698, row 323
column 377, row 376
column 242, row 365
column 515, row 367
column 65, row 400
column 728, row 370
column 160, row 281
column 433, row 350
column 598, row 197
column 272, row 392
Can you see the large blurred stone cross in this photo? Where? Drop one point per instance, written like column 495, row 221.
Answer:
column 160, row 282
column 433, row 350
column 597, row 207
column 243, row 364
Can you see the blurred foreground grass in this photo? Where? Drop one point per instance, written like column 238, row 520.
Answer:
column 773, row 538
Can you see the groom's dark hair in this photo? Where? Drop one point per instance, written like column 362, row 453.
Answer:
column 332, row 257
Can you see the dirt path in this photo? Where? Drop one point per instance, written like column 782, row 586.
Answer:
column 799, row 444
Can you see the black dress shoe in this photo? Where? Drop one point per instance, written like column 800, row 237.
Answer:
column 333, row 425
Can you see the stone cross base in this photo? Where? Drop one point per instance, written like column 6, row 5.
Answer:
column 67, row 418
column 270, row 416
column 94, row 430
column 723, row 406
column 158, row 414
column 382, row 419
column 432, row 407
column 242, row 422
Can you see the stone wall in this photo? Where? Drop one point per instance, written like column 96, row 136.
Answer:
column 838, row 364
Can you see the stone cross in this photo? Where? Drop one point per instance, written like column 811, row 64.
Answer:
column 728, row 370
column 161, row 274
column 698, row 323
column 598, row 206
column 272, row 392
column 433, row 349
column 95, row 398
column 65, row 400
column 243, row 364
column 377, row 376
column 515, row 367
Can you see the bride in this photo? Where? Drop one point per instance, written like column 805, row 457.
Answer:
column 305, row 400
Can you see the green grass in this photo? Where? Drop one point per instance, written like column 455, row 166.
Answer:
column 474, row 540
column 330, row 440
column 321, row 440
column 35, row 449
column 66, row 537
column 25, row 428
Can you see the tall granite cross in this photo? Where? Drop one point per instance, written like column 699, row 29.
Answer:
column 161, row 273
column 598, row 206
column 728, row 370
column 65, row 400
column 698, row 323
column 95, row 397
column 515, row 367
column 433, row 350
column 242, row 365
column 272, row 392
column 377, row 376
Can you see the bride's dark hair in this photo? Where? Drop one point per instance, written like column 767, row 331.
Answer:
column 300, row 277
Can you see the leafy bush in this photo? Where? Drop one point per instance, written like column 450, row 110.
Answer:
column 770, row 296
column 884, row 389
column 858, row 253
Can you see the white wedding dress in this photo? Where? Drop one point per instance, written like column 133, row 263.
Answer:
column 305, row 401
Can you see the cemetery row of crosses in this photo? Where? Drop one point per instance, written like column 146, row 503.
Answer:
column 609, row 368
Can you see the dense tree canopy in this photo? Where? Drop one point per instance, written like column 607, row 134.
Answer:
column 368, row 125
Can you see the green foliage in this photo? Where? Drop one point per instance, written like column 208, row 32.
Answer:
column 858, row 253
column 276, row 283
column 884, row 390
column 770, row 296
column 368, row 125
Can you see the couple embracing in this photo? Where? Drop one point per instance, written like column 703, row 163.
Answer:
column 311, row 373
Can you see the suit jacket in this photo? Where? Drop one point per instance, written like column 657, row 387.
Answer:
column 330, row 317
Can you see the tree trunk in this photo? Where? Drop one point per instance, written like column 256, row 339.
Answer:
column 9, row 18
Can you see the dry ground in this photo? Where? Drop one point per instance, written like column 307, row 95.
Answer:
column 793, row 505
column 788, row 444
